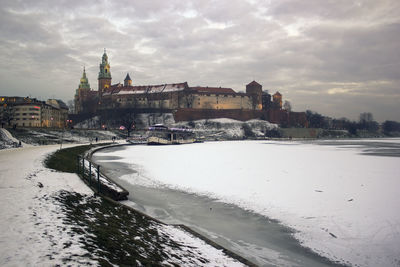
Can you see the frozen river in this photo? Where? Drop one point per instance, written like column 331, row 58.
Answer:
column 275, row 203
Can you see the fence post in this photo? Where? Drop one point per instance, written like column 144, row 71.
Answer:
column 77, row 165
column 98, row 178
column 90, row 171
column 83, row 167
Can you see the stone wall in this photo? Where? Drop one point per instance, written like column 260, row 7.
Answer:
column 281, row 117
column 221, row 101
column 187, row 114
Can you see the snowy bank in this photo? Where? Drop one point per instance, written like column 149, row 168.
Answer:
column 31, row 226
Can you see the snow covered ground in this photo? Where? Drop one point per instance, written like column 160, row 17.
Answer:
column 342, row 203
column 31, row 227
column 37, row 230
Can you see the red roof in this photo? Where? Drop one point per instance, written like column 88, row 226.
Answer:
column 254, row 83
column 277, row 93
column 213, row 90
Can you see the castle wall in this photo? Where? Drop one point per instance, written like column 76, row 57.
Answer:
column 273, row 116
column 215, row 101
column 177, row 100
column 188, row 114
column 141, row 101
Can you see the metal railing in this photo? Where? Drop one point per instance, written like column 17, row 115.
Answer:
column 89, row 172
column 98, row 181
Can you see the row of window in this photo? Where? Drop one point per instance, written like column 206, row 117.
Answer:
column 213, row 95
column 139, row 99
column 26, row 119
column 25, row 114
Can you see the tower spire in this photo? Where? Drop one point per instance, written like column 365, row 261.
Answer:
column 84, row 83
column 128, row 80
column 104, row 77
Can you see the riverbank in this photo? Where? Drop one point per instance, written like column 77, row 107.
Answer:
column 52, row 218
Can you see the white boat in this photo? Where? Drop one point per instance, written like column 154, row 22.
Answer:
column 162, row 135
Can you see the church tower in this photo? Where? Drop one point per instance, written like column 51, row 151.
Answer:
column 82, row 92
column 104, row 74
column 128, row 80
column 84, row 82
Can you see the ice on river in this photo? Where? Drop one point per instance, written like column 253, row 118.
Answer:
column 342, row 203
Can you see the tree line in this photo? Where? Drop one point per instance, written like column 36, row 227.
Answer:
column 365, row 123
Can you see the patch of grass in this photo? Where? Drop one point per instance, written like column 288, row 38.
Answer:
column 114, row 235
column 65, row 160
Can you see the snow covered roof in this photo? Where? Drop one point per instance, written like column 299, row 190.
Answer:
column 146, row 89
column 213, row 90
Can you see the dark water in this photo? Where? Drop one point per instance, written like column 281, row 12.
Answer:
column 255, row 237
column 376, row 147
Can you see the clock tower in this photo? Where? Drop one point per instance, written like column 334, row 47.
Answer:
column 104, row 74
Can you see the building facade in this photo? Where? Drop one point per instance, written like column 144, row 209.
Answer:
column 30, row 112
column 177, row 98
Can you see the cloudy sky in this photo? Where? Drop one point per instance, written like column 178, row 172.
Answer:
column 336, row 57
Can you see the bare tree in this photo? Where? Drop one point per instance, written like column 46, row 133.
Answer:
column 71, row 106
column 366, row 117
column 287, row 106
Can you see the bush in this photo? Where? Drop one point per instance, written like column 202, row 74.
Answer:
column 248, row 132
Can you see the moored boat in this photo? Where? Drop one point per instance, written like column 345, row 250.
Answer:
column 162, row 135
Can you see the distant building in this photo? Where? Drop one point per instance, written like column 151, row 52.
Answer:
column 163, row 96
column 266, row 100
column 30, row 112
column 277, row 101
column 199, row 101
column 27, row 115
column 54, row 114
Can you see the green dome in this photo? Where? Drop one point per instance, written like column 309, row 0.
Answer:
column 84, row 84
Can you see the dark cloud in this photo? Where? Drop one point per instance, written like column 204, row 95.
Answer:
column 339, row 58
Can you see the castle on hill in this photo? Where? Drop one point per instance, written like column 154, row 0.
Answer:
column 180, row 99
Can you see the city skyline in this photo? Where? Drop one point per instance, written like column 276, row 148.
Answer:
column 338, row 58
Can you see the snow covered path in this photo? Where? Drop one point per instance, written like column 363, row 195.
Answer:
column 31, row 228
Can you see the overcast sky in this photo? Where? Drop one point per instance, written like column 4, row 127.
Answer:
column 336, row 57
